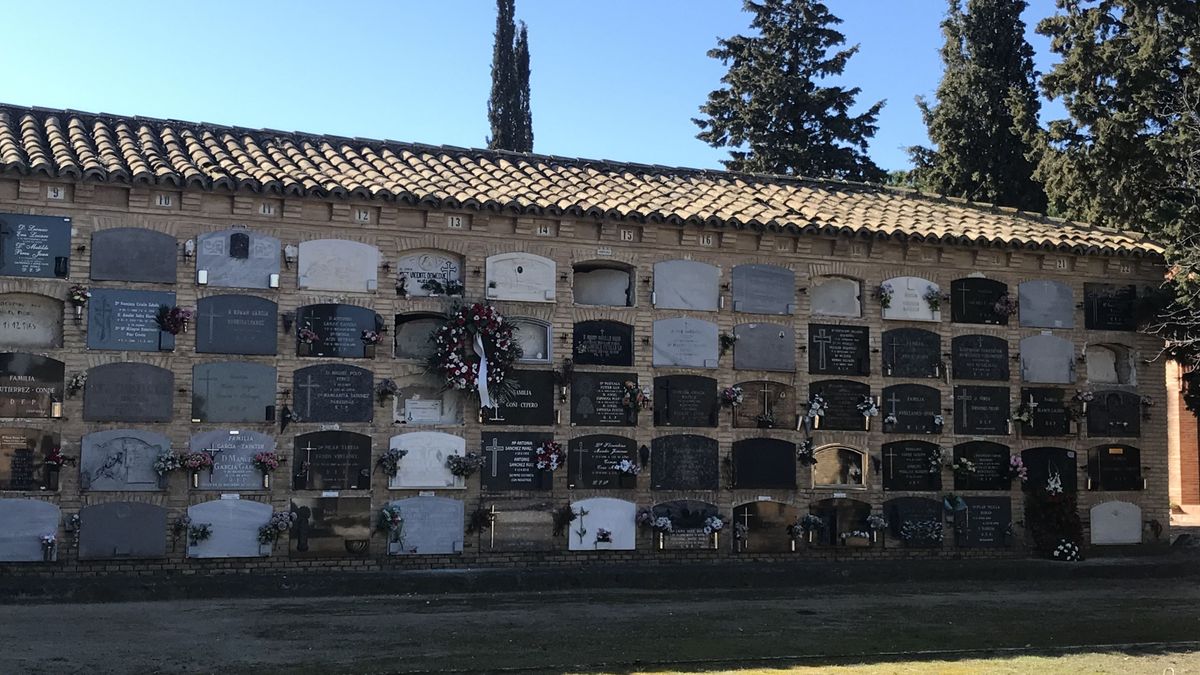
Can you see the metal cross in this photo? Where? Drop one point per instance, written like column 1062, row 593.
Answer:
column 964, row 399
column 495, row 449
column 822, row 339
column 308, row 462
column 766, row 400
column 580, row 453
column 963, row 291
column 891, row 456
column 894, row 400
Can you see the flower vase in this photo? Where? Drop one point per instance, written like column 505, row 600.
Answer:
column 195, row 479
column 78, row 313
column 369, row 351
column 266, row 481
column 304, row 349
column 48, row 553
column 51, row 478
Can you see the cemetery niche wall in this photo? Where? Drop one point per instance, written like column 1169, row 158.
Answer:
column 30, row 321
column 23, row 455
column 237, row 258
column 133, row 254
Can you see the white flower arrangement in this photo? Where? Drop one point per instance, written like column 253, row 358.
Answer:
column 877, row 522
column 1066, row 550
column 628, row 467
column 713, row 524
column 939, row 421
column 1054, row 484
column 816, row 406
column 867, row 406
column 890, row 419
column 964, row 467
column 855, row 533
column 663, row 524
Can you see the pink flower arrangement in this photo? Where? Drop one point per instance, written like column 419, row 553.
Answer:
column 195, row 461
column 267, row 461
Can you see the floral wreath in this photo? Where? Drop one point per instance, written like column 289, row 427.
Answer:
column 550, row 456
column 454, row 358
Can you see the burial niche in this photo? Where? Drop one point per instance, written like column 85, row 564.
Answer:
column 603, row 284
column 1046, row 304
column 425, row 273
column 235, row 524
column 413, row 333
column 686, row 284
column 1050, row 469
column 23, row 522
column 1110, row 364
column 763, row 526
column 30, row 321
column 911, row 299
column 838, row 466
column 338, row 265
column 237, row 258
column 1115, row 467
column 840, row 517
column 836, row 296
column 133, row 254
column 534, row 337
column 764, row 289
column 764, row 463
column 978, row 300
column 520, row 276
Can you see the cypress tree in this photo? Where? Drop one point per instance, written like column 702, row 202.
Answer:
column 505, row 100
column 524, row 114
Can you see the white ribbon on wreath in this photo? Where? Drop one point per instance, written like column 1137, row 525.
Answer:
column 481, row 381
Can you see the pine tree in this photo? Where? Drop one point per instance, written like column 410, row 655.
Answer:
column 503, row 106
column 524, row 114
column 773, row 113
column 985, row 119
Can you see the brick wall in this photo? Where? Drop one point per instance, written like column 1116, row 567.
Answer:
column 1183, row 444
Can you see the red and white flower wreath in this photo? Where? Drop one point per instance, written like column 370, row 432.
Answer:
column 550, row 456
column 454, row 357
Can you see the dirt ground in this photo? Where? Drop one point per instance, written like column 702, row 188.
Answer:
column 937, row 626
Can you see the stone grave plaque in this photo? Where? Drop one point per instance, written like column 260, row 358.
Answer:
column 602, row 286
column 973, row 300
column 764, row 346
column 913, row 407
column 981, row 411
column 419, row 267
column 424, row 467
column 122, row 530
column 237, row 324
column 520, row 276
column 1041, row 463
column 22, row 524
column 766, row 524
column 233, row 391
column 1114, row 413
column 520, row 525
column 531, row 402
column 592, row 462
column 533, row 335
column 133, row 254
column 764, row 463
column 128, row 392
column 510, row 464
column 908, row 465
column 615, row 515
column 1114, row 523
column 22, row 454
column 338, row 265
column 766, row 405
column 30, row 321
column 603, row 343
column 1050, row 409
column 432, row 526
column 1046, row 304
column 837, row 466
column 1047, row 358
column 684, row 462
column 838, row 350
column 235, row 524
column 913, row 520
column 685, row 401
column 333, row 392
column 35, row 246
column 687, row 343
column 332, row 460
column 764, row 289
column 233, row 452
column 414, row 333
column 686, row 284
column 912, row 352
column 597, row 400
column 908, row 301
column 1109, row 307
column 1110, row 364
column 985, row 523
column 840, row 516
column 688, row 517
column 122, row 460
column 841, row 404
column 29, row 384
column 1116, row 468
column 979, row 357
column 991, row 462
column 238, row 258
column 836, row 296
column 339, row 330
column 422, row 402
column 330, row 527
column 125, row 320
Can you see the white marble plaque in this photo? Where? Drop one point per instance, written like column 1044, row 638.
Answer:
column 235, row 524
column 1116, row 523
column 419, row 267
column 425, row 464
column 615, row 515
column 22, row 524
column 604, row 286
column 520, row 276
column 690, row 343
column 338, row 265
column 1047, row 358
column 432, row 525
column 30, row 320
column 908, row 301
column 686, row 284
column 836, row 296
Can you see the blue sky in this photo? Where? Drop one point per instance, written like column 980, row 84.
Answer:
column 612, row 79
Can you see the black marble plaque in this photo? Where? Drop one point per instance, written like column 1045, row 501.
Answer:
column 841, row 399
column 332, row 460
column 1050, row 409
column 910, row 409
column 984, row 523
column 765, row 405
column 981, row 411
column 685, row 401
column 133, row 254
column 29, row 384
column 838, row 350
column 22, row 453
column 126, row 320
column 908, row 465
column 684, row 462
column 1041, row 463
column 1109, row 307
column 236, row 324
column 603, row 343
column 764, row 463
column 914, row 510
column 839, row 515
column 333, row 392
column 35, row 246
column 991, row 462
column 330, row 527
column 233, row 391
column 1114, row 413
column 128, row 392
column 912, row 352
column 339, row 330
column 979, row 357
column 1116, row 468
column 510, row 462
column 592, row 462
column 597, row 400
column 973, row 300
column 531, row 402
